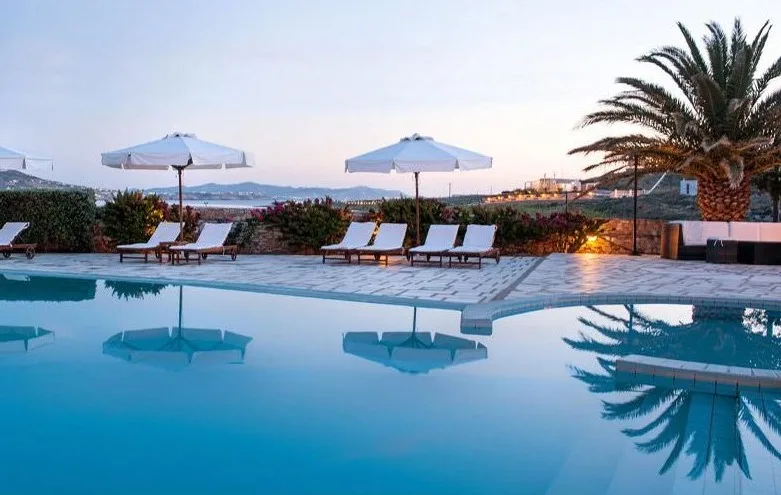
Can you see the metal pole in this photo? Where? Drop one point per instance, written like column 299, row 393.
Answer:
column 417, row 211
column 181, row 208
column 180, row 310
column 635, row 252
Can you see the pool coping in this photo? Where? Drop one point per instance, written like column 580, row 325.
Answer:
column 250, row 287
column 477, row 319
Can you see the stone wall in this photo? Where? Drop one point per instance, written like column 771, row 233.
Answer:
column 616, row 237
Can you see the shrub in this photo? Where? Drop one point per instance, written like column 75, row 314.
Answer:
column 60, row 220
column 132, row 216
column 403, row 211
column 243, row 230
column 192, row 218
column 567, row 232
column 306, row 225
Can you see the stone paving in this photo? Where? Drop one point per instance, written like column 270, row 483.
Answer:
column 610, row 274
column 515, row 285
column 303, row 275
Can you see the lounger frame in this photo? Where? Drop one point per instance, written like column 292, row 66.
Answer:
column 337, row 254
column 378, row 254
column 27, row 249
column 128, row 253
column 231, row 250
column 463, row 257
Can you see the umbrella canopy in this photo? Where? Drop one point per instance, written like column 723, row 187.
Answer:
column 177, row 151
column 18, row 160
column 178, row 347
column 415, row 154
column 413, row 352
column 23, row 339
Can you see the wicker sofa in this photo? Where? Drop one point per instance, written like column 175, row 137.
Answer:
column 758, row 242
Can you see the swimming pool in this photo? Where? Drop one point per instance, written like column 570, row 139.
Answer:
column 258, row 393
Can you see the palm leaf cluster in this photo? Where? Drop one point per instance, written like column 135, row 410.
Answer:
column 719, row 121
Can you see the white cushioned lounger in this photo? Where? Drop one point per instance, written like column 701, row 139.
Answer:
column 389, row 241
column 478, row 243
column 211, row 240
column 8, row 233
column 166, row 232
column 357, row 236
column 439, row 239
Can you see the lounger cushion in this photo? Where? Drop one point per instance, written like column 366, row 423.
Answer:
column 213, row 235
column 10, row 230
column 390, row 237
column 165, row 232
column 357, row 236
column 692, row 233
column 438, row 239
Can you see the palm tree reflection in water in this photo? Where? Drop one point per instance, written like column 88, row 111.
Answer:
column 707, row 427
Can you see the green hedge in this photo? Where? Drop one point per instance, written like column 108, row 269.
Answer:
column 60, row 220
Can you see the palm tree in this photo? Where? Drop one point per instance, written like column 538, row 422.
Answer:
column 721, row 122
column 735, row 338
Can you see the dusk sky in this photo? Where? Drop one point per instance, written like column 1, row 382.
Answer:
column 305, row 84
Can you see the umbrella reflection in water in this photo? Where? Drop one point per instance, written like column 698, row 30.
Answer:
column 413, row 352
column 23, row 339
column 178, row 347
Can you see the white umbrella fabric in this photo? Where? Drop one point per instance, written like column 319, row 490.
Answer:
column 11, row 159
column 415, row 154
column 177, row 151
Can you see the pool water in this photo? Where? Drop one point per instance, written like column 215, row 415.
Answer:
column 114, row 387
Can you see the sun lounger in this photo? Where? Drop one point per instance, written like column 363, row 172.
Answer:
column 8, row 233
column 357, row 236
column 439, row 239
column 478, row 243
column 389, row 241
column 210, row 241
column 165, row 233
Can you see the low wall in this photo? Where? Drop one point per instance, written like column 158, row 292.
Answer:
column 616, row 237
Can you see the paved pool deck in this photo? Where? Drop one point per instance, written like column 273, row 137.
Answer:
column 516, row 285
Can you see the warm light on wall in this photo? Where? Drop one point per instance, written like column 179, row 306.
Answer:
column 591, row 238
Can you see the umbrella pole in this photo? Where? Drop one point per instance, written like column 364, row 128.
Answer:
column 417, row 211
column 180, row 308
column 181, row 208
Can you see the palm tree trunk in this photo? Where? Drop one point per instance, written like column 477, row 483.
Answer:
column 717, row 201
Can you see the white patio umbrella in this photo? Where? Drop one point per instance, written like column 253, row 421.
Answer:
column 23, row 339
column 417, row 154
column 177, row 151
column 11, row 159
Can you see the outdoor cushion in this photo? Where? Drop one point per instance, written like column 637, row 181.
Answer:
column 692, row 232
column 165, row 232
column 438, row 239
column 714, row 230
column 390, row 237
column 10, row 230
column 213, row 235
column 770, row 232
column 357, row 236
column 744, row 231
column 478, row 239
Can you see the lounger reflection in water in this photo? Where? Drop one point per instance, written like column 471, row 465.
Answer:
column 23, row 339
column 413, row 352
column 177, row 348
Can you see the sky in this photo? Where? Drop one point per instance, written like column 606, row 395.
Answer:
column 306, row 84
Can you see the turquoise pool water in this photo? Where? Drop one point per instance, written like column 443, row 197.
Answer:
column 103, row 393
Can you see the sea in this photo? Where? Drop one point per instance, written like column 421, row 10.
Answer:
column 237, row 203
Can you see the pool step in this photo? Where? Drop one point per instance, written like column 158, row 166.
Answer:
column 700, row 377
